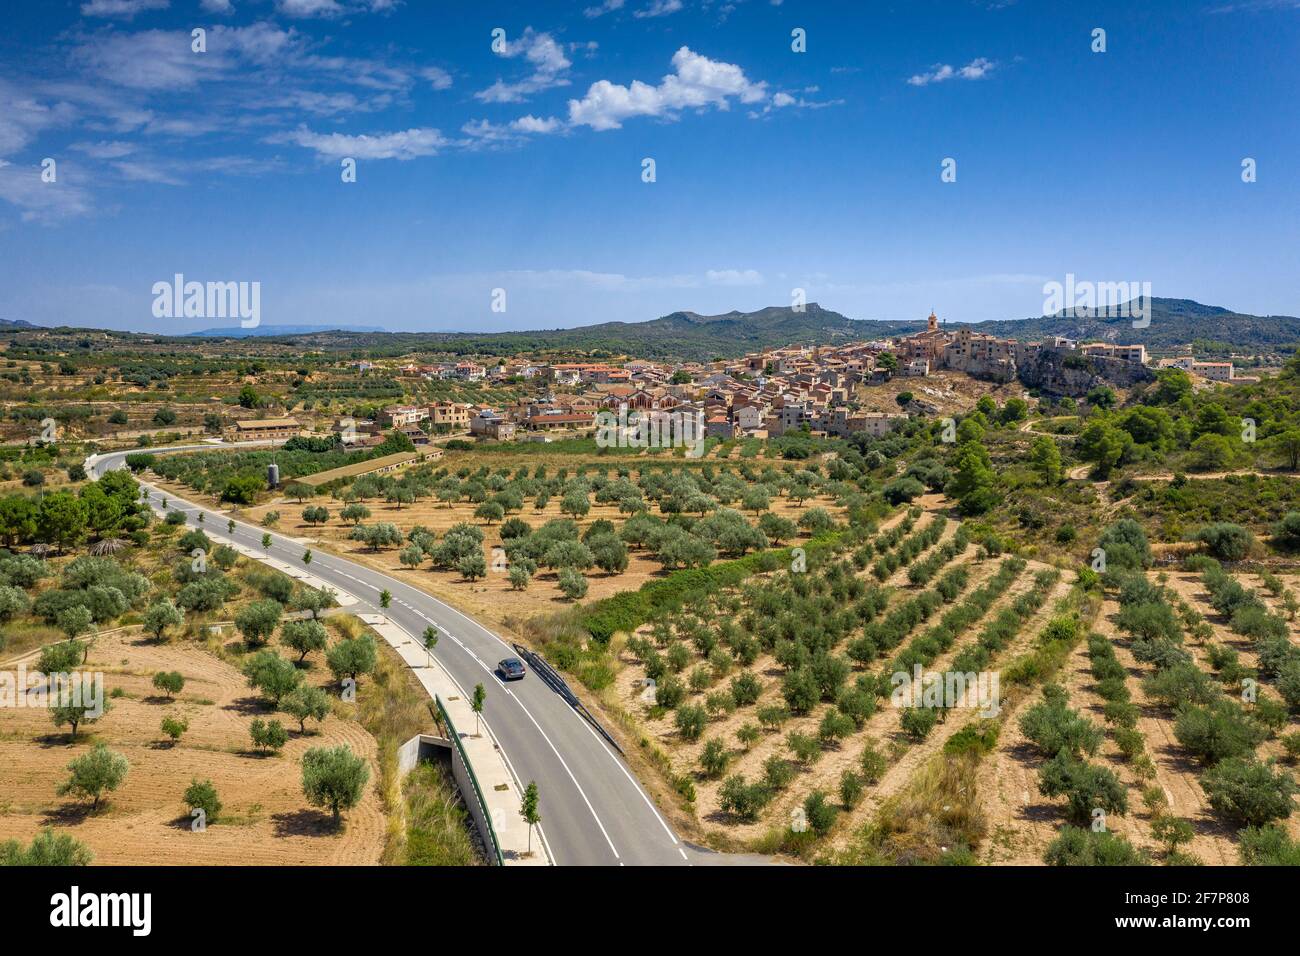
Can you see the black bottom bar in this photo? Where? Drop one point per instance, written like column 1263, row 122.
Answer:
column 337, row 904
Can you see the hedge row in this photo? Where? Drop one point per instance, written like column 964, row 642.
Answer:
column 631, row 609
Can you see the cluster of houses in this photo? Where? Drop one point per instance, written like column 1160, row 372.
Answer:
column 416, row 422
column 1213, row 371
column 989, row 357
column 763, row 394
column 457, row 371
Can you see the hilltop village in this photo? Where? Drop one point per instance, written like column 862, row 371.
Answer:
column 765, row 394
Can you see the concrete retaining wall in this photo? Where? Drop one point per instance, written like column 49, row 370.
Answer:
column 420, row 747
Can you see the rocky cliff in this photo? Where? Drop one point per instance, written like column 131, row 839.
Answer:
column 1056, row 371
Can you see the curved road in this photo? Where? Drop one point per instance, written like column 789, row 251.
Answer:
column 593, row 811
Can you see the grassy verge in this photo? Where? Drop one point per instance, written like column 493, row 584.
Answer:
column 437, row 822
column 393, row 708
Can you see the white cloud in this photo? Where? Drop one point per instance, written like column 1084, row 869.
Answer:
column 219, row 7
column 534, row 124
column 733, row 277
column 309, row 8
column 659, row 8
column 783, row 100
column 401, row 145
column 974, row 70
column 1256, row 6
column 696, row 82
column 485, row 133
column 147, row 172
column 609, row 6
column 121, row 9
column 559, row 279
column 549, row 63
column 438, row 78
column 23, row 117
column 40, row 201
column 304, row 9
column 257, row 82
column 181, row 126
column 105, row 149
column 315, row 102
column 163, row 59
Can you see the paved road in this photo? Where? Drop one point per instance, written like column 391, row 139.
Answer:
column 593, row 810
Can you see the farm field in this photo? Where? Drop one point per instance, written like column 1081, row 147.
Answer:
column 762, row 714
column 759, row 730
column 491, row 596
column 1152, row 747
column 264, row 819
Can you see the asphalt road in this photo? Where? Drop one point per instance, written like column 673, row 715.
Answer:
column 593, row 810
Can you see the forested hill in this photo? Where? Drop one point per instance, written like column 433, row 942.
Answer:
column 1175, row 324
column 680, row 335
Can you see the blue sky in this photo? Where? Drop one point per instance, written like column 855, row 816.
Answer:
column 520, row 168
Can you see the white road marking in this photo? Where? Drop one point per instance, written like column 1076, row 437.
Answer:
column 563, row 764
column 327, row 565
column 632, row 780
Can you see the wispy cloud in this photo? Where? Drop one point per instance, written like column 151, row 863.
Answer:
column 974, row 70
column 24, row 116
column 782, row 100
column 437, row 77
column 121, row 9
column 145, row 172
column 659, row 8
column 733, row 277
column 164, row 60
column 543, row 279
column 105, row 149
column 608, row 6
column 41, row 201
column 328, row 9
column 400, row 145
column 550, row 68
column 1255, row 6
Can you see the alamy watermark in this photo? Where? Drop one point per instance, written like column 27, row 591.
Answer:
column 651, row 429
column 179, row 299
column 1076, row 300
column 133, row 911
column 947, row 690
column 22, row 688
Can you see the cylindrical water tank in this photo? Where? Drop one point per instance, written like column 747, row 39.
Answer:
column 272, row 475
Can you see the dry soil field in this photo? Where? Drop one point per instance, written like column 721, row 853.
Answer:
column 265, row 819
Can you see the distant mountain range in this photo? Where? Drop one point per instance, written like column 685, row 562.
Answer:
column 1175, row 324
column 283, row 330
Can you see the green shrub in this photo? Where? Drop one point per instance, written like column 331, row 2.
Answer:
column 1076, row 846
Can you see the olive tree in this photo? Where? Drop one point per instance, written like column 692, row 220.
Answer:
column 303, row 637
column 258, row 621
column 334, row 777
column 95, row 773
column 306, row 703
